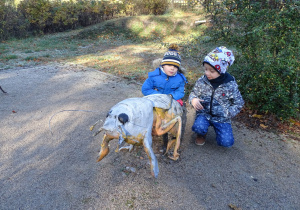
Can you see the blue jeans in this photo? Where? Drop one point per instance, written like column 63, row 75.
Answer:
column 224, row 135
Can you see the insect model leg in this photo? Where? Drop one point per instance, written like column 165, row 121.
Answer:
column 2, row 90
column 167, row 127
column 104, row 146
column 148, row 149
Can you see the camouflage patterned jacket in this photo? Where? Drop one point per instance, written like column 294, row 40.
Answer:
column 221, row 104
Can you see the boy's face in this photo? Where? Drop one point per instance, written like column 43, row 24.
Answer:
column 210, row 72
column 170, row 70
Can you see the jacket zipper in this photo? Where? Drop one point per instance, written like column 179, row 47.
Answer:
column 166, row 83
column 211, row 101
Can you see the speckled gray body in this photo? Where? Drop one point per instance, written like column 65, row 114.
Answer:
column 134, row 120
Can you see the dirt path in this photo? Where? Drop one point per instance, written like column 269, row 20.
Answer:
column 40, row 170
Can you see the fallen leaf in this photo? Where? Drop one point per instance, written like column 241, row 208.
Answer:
column 13, row 111
column 234, row 207
column 295, row 122
column 257, row 116
column 292, row 121
column 263, row 126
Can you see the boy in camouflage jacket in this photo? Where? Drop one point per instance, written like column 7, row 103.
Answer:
column 216, row 98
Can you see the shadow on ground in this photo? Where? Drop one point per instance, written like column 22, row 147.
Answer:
column 58, row 170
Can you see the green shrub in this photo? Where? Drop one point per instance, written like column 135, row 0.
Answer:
column 145, row 7
column 12, row 24
column 65, row 16
column 266, row 37
column 38, row 13
column 34, row 17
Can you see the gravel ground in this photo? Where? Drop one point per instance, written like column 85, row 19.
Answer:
column 53, row 165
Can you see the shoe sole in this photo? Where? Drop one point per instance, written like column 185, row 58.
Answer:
column 200, row 144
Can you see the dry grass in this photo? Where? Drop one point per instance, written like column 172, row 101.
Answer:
column 125, row 46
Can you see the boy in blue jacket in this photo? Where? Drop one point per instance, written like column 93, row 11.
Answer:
column 168, row 78
column 216, row 98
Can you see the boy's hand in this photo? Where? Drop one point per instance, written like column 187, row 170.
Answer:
column 196, row 102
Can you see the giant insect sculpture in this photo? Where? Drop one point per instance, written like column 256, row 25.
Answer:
column 135, row 120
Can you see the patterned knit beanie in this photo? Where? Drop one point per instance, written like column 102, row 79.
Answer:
column 220, row 59
column 172, row 57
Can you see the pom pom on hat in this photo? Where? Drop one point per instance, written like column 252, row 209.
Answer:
column 220, row 59
column 172, row 57
column 174, row 47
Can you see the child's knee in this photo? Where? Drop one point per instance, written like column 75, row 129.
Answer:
column 199, row 128
column 224, row 135
column 201, row 125
column 226, row 142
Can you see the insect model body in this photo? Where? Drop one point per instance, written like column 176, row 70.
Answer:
column 135, row 120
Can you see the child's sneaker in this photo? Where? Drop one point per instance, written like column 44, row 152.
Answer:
column 200, row 140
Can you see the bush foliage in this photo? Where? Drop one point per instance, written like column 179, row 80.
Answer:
column 12, row 23
column 145, row 7
column 31, row 17
column 265, row 35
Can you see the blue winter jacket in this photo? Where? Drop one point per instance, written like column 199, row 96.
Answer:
column 160, row 83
